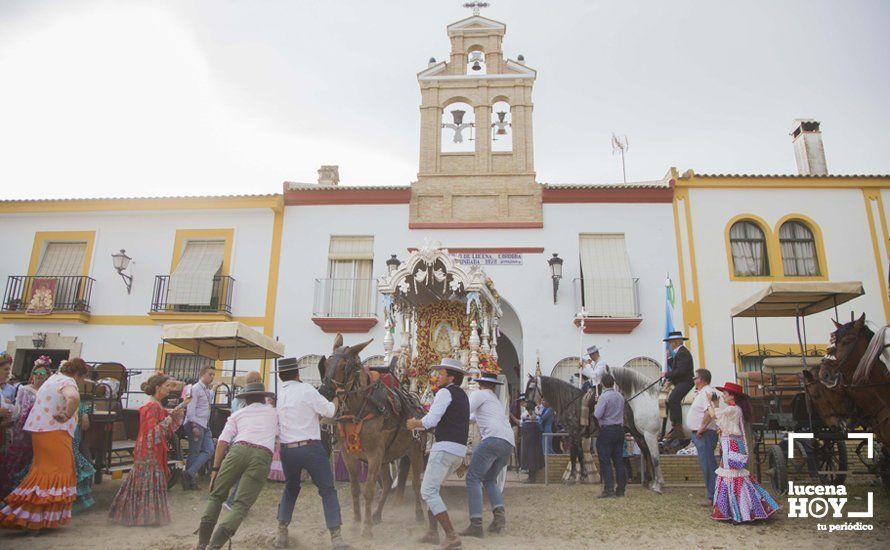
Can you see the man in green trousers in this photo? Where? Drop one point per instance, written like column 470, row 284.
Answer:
column 244, row 452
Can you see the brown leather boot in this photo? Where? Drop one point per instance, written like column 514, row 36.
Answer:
column 499, row 522
column 432, row 533
column 676, row 432
column 452, row 540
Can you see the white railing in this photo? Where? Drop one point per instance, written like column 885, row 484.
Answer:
column 350, row 298
column 607, row 297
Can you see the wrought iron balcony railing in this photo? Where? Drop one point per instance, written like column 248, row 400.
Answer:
column 220, row 297
column 47, row 293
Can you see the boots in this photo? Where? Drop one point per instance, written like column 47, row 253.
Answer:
column 452, row 540
column 432, row 533
column 281, row 538
column 220, row 537
column 499, row 522
column 337, row 542
column 474, row 530
column 204, row 532
column 676, row 432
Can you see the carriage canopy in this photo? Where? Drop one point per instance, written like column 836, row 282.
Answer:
column 797, row 299
column 223, row 341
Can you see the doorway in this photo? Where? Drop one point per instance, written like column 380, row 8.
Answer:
column 24, row 368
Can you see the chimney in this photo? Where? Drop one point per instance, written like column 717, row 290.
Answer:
column 329, row 175
column 808, row 149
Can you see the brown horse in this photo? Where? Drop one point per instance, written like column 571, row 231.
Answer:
column 867, row 386
column 371, row 427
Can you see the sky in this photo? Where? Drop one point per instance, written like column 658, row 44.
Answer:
column 118, row 98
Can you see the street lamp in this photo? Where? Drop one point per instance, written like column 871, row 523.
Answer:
column 555, row 272
column 39, row 340
column 121, row 261
column 392, row 264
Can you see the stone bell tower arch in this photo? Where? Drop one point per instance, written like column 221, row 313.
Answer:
column 476, row 186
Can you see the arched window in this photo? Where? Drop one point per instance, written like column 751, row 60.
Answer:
column 501, row 127
column 458, row 128
column 565, row 369
column 749, row 253
column 798, row 247
column 648, row 367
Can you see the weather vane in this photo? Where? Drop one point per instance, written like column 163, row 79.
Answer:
column 476, row 6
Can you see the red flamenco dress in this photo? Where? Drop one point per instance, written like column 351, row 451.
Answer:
column 142, row 499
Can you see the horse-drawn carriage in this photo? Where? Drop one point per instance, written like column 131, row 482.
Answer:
column 787, row 395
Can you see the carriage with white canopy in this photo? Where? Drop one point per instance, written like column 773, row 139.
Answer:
column 779, row 401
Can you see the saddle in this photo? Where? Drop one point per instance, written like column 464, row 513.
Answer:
column 393, row 403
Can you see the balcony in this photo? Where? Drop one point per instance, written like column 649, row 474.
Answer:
column 607, row 306
column 219, row 308
column 60, row 298
column 345, row 305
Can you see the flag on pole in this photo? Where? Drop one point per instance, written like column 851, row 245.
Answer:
column 669, row 303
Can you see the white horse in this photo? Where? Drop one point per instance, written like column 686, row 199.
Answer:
column 642, row 416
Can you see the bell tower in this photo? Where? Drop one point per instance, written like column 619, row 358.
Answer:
column 476, row 150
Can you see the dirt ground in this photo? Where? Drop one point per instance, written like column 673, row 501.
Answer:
column 538, row 516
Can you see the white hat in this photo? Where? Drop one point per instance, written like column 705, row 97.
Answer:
column 592, row 349
column 451, row 364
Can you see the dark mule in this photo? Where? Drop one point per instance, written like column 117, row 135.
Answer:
column 371, row 427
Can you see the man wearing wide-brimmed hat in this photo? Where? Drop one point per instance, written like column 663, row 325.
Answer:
column 450, row 416
column 680, row 373
column 489, row 457
column 243, row 452
column 300, row 407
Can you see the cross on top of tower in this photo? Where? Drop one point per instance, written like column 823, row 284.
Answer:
column 476, row 6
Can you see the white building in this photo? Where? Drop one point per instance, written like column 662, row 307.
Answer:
column 302, row 265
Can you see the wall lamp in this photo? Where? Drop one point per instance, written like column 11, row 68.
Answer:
column 555, row 272
column 121, row 261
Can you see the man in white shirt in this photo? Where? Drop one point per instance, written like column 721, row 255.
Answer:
column 704, row 430
column 299, row 408
column 594, row 368
column 489, row 457
column 450, row 416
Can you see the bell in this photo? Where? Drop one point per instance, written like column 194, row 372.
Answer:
column 501, row 115
column 476, row 66
column 458, row 116
column 501, row 131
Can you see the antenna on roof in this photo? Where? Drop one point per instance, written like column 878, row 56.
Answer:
column 620, row 145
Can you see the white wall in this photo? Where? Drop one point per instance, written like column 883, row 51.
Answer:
column 848, row 250
column 528, row 288
column 149, row 239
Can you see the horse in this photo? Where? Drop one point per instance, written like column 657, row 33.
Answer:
column 641, row 413
column 371, row 430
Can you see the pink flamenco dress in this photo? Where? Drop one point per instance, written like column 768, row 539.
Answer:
column 737, row 496
column 142, row 499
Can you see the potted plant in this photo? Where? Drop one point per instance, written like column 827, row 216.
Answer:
column 80, row 305
column 13, row 304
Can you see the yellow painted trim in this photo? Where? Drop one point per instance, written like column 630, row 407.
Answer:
column 190, row 317
column 272, row 282
column 170, row 349
column 690, row 180
column 59, row 317
column 770, row 249
column 121, row 320
column 43, row 237
column 691, row 308
column 868, row 196
column 185, row 235
column 129, row 205
column 820, row 247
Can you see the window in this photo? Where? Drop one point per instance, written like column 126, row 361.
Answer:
column 798, row 248
column 566, row 369
column 310, row 373
column 192, row 281
column 185, row 366
column 349, row 292
column 62, row 259
column 749, row 252
column 648, row 367
column 607, row 286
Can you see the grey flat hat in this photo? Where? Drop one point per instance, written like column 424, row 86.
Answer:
column 289, row 363
column 255, row 389
column 452, row 365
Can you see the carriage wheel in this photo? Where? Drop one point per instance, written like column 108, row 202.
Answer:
column 831, row 460
column 777, row 469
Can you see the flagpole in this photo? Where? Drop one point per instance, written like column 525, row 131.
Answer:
column 581, row 345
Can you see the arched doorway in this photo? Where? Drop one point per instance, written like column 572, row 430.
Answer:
column 509, row 348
